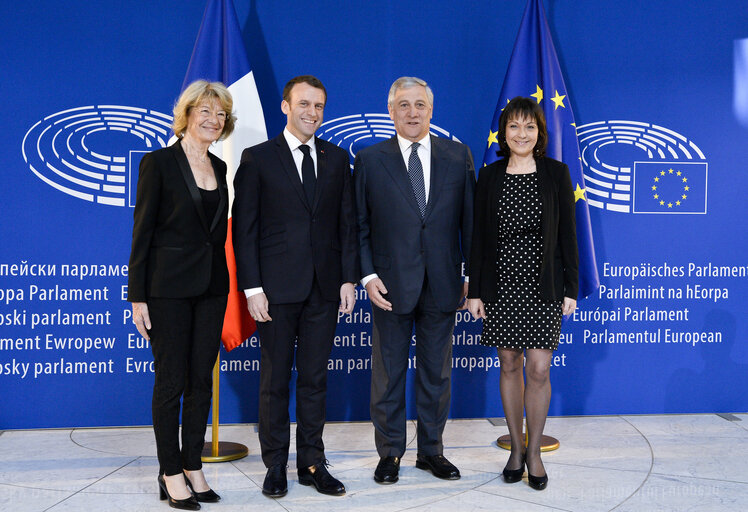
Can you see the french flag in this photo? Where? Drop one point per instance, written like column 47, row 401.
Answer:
column 220, row 55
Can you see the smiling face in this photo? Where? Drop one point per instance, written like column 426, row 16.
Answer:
column 205, row 121
column 411, row 111
column 521, row 135
column 304, row 110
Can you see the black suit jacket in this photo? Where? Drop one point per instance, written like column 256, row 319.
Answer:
column 396, row 243
column 176, row 251
column 280, row 240
column 559, row 269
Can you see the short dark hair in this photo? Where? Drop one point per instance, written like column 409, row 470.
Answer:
column 303, row 79
column 523, row 108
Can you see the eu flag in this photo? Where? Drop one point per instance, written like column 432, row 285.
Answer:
column 534, row 72
column 670, row 187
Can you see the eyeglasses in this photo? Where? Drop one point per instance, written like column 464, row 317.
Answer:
column 205, row 112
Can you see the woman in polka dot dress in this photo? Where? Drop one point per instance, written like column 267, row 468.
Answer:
column 524, row 273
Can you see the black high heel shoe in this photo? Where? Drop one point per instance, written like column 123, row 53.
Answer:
column 514, row 475
column 208, row 496
column 185, row 504
column 537, row 482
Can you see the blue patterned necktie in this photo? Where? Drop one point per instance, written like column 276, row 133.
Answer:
column 307, row 173
column 415, row 172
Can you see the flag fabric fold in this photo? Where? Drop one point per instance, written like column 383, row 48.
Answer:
column 220, row 55
column 534, row 71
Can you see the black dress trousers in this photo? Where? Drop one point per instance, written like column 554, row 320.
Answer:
column 185, row 339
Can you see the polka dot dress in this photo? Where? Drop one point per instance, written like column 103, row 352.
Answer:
column 520, row 319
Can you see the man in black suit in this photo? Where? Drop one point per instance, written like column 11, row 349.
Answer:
column 294, row 234
column 414, row 197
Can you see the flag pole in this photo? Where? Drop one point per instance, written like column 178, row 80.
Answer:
column 219, row 55
column 215, row 450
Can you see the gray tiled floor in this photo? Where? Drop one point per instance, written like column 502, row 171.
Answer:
column 623, row 463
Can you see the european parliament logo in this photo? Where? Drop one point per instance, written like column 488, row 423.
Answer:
column 354, row 133
column 93, row 152
column 636, row 167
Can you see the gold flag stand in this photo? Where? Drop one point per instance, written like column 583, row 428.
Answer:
column 217, row 451
column 547, row 443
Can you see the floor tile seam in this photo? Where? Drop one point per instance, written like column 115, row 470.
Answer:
column 741, row 425
column 438, row 500
column 651, row 465
column 598, row 468
column 706, row 479
column 76, row 443
column 233, row 463
column 32, row 488
column 493, row 474
column 89, row 485
column 720, row 424
column 513, row 498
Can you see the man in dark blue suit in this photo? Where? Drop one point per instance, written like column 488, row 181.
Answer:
column 294, row 234
column 414, row 199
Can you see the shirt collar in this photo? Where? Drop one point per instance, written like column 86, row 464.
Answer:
column 294, row 143
column 405, row 143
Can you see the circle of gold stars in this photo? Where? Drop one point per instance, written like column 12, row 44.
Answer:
column 661, row 177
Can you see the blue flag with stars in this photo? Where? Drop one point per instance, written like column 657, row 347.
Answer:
column 534, row 72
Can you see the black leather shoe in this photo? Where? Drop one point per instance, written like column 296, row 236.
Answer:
column 514, row 475
column 321, row 479
column 537, row 482
column 185, row 504
column 439, row 466
column 275, row 484
column 208, row 496
column 387, row 470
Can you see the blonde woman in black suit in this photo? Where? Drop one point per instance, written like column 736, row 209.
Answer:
column 178, row 282
column 524, row 273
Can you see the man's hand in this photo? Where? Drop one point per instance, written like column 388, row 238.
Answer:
column 347, row 298
column 476, row 308
column 375, row 288
column 257, row 305
column 141, row 319
column 569, row 306
column 463, row 299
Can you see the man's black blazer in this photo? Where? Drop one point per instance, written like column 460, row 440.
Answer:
column 559, row 268
column 175, row 248
column 396, row 243
column 280, row 240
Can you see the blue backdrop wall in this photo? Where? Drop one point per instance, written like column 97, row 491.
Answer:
column 666, row 332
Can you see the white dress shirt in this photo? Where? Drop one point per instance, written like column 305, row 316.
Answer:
column 424, row 153
column 298, row 157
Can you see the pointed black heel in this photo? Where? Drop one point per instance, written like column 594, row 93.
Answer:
column 185, row 504
column 537, row 482
column 208, row 496
column 514, row 475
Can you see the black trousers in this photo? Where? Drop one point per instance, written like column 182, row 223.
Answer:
column 313, row 322
column 185, row 338
column 391, row 340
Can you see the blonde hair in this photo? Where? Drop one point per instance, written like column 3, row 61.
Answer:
column 197, row 92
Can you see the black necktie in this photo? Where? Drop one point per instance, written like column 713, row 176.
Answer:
column 307, row 173
column 415, row 172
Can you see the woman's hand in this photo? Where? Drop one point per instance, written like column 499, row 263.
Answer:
column 569, row 306
column 141, row 319
column 475, row 306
